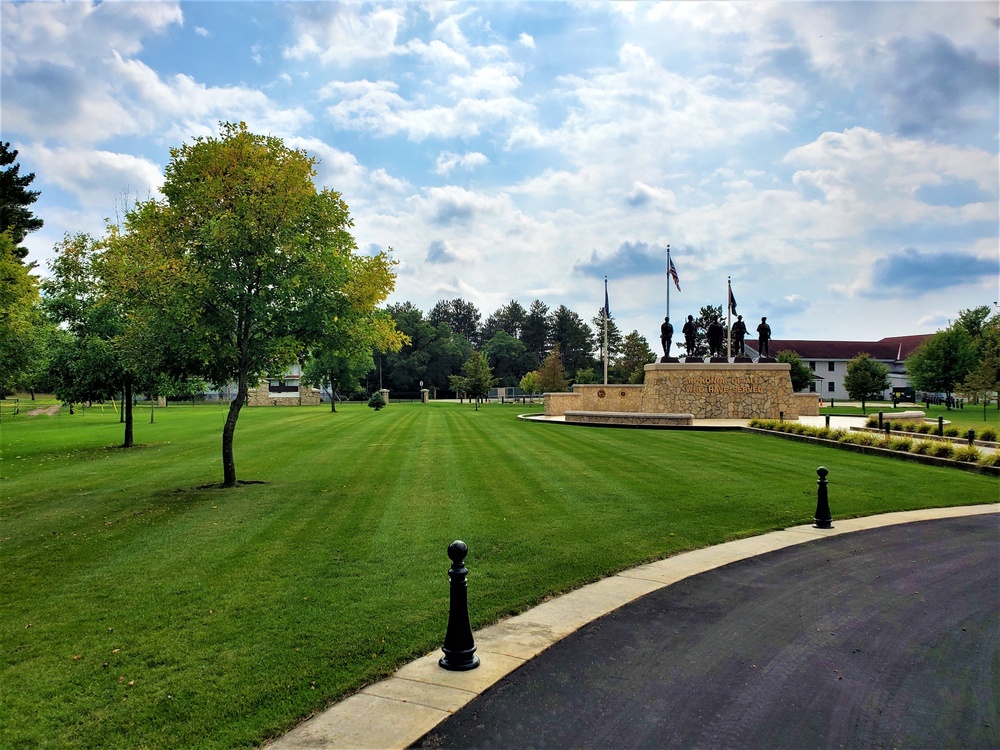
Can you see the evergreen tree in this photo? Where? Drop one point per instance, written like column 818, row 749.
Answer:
column 574, row 339
column 536, row 333
column 15, row 217
column 462, row 316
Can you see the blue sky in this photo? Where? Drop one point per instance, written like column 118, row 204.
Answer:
column 837, row 160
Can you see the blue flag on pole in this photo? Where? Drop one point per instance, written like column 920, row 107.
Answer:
column 607, row 309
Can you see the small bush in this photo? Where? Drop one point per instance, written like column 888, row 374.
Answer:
column 925, row 428
column 872, row 420
column 966, row 454
column 989, row 458
column 377, row 401
column 989, row 434
column 923, row 447
column 823, row 432
column 900, row 444
column 864, row 438
column 951, row 431
column 837, row 434
column 942, row 450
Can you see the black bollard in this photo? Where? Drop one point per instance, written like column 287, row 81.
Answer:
column 940, row 426
column 828, row 421
column 971, row 435
column 781, row 416
column 880, row 420
column 459, row 646
column 888, row 429
column 823, row 518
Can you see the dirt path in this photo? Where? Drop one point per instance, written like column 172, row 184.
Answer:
column 47, row 410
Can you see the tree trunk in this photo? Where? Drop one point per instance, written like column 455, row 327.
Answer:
column 228, row 464
column 152, row 408
column 333, row 395
column 127, row 413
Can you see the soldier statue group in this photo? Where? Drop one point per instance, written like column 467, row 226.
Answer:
column 716, row 337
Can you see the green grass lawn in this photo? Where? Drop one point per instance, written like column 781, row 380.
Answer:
column 971, row 417
column 143, row 609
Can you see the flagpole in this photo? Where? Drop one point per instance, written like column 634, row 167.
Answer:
column 668, row 280
column 729, row 317
column 606, row 314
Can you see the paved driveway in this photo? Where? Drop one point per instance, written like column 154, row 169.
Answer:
column 881, row 638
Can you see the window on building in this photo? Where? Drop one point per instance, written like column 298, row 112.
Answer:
column 830, row 367
column 812, row 365
column 812, row 387
column 831, row 386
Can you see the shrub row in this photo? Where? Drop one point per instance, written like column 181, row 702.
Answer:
column 926, row 428
column 926, row 447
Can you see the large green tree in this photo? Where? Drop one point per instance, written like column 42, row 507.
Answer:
column 242, row 267
column 508, row 358
column 574, row 338
column 19, row 316
column 866, row 378
column 431, row 353
column 635, row 355
column 95, row 361
column 508, row 318
column 943, row 361
column 461, row 315
column 536, row 332
column 16, row 219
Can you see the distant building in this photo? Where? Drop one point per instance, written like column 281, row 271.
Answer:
column 828, row 359
column 283, row 391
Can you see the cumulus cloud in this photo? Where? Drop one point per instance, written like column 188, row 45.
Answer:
column 98, row 179
column 343, row 32
column 526, row 40
column 442, row 251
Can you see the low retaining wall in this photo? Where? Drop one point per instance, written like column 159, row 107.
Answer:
column 630, row 418
column 590, row 397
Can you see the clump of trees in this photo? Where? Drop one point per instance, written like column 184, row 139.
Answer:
column 866, row 378
column 963, row 358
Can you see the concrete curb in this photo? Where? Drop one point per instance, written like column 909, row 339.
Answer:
column 398, row 711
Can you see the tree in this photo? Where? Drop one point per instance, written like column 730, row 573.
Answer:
column 337, row 372
column 95, row 361
column 706, row 315
column 508, row 318
column 943, row 361
column 574, row 339
column 16, row 220
column 476, row 378
column 802, row 376
column 19, row 316
column 865, row 378
column 614, row 337
column 430, row 354
column 983, row 381
column 529, row 383
column 635, row 355
column 508, row 357
column 551, row 377
column 536, row 333
column 244, row 266
column 462, row 316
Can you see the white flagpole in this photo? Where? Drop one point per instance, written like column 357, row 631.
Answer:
column 606, row 313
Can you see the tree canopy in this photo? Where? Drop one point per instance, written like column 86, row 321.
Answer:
column 19, row 316
column 476, row 378
column 866, row 378
column 943, row 361
column 800, row 373
column 245, row 265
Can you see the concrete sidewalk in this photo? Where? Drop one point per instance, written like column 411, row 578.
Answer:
column 399, row 711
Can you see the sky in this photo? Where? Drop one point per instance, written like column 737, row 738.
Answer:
column 838, row 161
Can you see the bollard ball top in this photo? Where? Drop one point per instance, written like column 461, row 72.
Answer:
column 457, row 551
column 822, row 471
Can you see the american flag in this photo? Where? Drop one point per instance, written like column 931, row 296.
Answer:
column 672, row 270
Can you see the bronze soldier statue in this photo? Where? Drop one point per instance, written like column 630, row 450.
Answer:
column 690, row 331
column 739, row 330
column 764, row 338
column 666, row 336
column 716, row 333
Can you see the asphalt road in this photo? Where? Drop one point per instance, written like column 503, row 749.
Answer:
column 882, row 638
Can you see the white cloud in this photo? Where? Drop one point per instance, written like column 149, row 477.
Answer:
column 98, row 179
column 526, row 40
column 343, row 32
column 447, row 161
